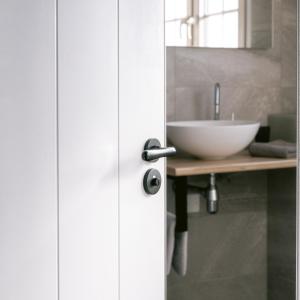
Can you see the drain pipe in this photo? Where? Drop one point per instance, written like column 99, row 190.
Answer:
column 210, row 193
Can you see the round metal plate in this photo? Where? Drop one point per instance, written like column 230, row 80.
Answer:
column 152, row 143
column 152, row 181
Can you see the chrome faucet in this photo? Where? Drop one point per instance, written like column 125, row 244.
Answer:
column 217, row 101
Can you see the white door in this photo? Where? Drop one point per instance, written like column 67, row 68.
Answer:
column 81, row 91
column 111, row 100
column 28, row 181
column 141, row 116
column 88, row 149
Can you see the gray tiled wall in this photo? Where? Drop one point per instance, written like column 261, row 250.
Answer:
column 228, row 252
column 254, row 83
column 281, row 235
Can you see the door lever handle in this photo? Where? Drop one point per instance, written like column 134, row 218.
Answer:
column 153, row 151
column 154, row 154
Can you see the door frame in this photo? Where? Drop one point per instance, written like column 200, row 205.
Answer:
column 298, row 161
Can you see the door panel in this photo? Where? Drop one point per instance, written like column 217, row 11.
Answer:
column 28, row 181
column 88, row 149
column 105, row 114
column 141, row 116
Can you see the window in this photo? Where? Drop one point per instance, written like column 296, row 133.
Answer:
column 177, row 30
column 218, row 23
column 205, row 23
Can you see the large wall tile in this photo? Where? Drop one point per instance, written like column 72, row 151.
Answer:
column 250, row 103
column 229, row 248
column 197, row 67
column 248, row 287
column 193, row 104
column 282, row 233
column 288, row 97
column 170, row 66
column 289, row 57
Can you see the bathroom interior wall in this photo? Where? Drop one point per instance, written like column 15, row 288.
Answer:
column 254, row 83
column 281, row 254
column 227, row 252
column 228, row 255
column 261, row 20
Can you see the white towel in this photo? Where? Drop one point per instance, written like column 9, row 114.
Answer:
column 180, row 254
column 171, row 222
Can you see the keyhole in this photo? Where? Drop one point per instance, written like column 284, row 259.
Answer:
column 155, row 181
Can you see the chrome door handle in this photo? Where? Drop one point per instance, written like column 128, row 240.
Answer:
column 153, row 151
column 154, row 154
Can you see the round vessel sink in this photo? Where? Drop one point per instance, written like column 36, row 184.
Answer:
column 212, row 140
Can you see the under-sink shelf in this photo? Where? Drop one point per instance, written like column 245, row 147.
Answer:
column 242, row 162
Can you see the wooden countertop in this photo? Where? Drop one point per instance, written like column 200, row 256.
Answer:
column 187, row 166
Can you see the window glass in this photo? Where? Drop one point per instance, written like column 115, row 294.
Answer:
column 230, row 29
column 213, row 6
column 176, row 34
column 213, row 33
column 201, row 11
column 231, row 4
column 176, row 9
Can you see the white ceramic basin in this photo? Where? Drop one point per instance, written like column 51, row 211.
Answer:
column 212, row 140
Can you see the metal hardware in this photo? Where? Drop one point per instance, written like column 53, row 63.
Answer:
column 217, row 99
column 152, row 181
column 153, row 151
column 210, row 193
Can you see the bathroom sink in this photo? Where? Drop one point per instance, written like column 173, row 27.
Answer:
column 212, row 140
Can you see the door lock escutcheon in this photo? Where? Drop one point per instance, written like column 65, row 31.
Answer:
column 152, row 181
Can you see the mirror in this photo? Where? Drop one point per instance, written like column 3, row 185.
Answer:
column 219, row 23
